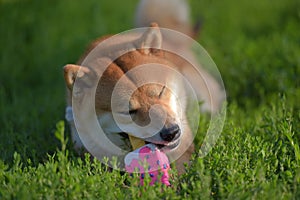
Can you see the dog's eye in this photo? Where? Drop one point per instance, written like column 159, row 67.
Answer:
column 132, row 112
column 162, row 91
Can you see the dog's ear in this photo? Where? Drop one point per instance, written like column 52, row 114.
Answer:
column 71, row 72
column 151, row 39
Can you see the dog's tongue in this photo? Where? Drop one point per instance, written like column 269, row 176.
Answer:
column 148, row 159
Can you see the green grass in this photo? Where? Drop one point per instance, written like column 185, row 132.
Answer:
column 255, row 45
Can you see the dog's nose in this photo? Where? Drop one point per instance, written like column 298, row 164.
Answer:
column 168, row 134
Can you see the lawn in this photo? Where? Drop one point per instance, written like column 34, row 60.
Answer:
column 256, row 46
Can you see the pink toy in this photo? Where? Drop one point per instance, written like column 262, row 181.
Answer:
column 150, row 157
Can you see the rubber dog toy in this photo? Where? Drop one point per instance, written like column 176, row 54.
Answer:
column 148, row 159
column 136, row 142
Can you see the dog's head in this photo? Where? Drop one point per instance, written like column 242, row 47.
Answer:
column 126, row 105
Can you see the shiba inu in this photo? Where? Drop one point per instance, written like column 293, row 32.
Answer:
column 137, row 104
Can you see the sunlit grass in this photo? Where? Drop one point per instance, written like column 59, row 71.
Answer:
column 255, row 45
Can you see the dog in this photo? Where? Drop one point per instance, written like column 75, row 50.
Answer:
column 136, row 103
